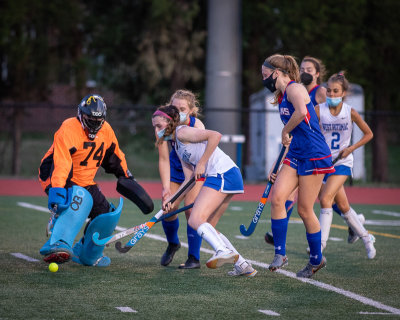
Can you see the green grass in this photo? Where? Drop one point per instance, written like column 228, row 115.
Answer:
column 136, row 279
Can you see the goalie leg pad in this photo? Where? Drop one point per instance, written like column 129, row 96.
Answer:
column 133, row 191
column 69, row 222
column 87, row 252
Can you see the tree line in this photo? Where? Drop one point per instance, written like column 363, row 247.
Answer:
column 145, row 49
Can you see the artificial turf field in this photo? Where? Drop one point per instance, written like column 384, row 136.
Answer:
column 350, row 287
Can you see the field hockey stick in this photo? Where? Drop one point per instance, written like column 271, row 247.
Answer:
column 50, row 224
column 150, row 224
column 264, row 199
column 106, row 241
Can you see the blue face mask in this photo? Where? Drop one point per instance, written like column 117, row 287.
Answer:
column 182, row 116
column 333, row 102
column 160, row 134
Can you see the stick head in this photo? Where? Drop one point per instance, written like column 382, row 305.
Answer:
column 246, row 232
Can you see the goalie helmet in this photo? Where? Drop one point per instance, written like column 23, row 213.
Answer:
column 92, row 114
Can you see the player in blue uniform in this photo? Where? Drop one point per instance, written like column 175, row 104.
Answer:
column 306, row 162
column 312, row 73
column 172, row 177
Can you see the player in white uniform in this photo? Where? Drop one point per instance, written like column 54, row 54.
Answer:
column 200, row 156
column 336, row 121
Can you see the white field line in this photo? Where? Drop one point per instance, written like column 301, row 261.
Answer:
column 24, row 257
column 388, row 213
column 126, row 309
column 289, row 274
column 392, row 223
column 269, row 312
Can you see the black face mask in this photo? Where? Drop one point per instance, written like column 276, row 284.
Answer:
column 269, row 83
column 306, row 78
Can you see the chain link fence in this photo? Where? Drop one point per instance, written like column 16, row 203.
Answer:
column 26, row 132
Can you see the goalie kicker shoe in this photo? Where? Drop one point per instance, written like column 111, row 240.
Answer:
column 222, row 257
column 352, row 236
column 244, row 269
column 310, row 269
column 278, row 262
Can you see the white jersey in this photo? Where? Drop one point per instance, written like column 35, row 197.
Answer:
column 337, row 131
column 191, row 153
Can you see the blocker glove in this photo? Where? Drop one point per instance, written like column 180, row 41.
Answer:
column 57, row 199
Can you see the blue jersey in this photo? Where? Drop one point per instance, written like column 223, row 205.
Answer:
column 176, row 171
column 312, row 94
column 308, row 142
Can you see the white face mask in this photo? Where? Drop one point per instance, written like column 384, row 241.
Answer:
column 333, row 102
column 160, row 134
column 182, row 116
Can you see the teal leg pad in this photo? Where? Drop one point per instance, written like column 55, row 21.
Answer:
column 88, row 252
column 70, row 221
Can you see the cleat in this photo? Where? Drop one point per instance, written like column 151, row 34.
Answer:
column 352, row 236
column 279, row 262
column 369, row 246
column 269, row 238
column 244, row 269
column 58, row 252
column 191, row 263
column 222, row 257
column 57, row 257
column 310, row 269
column 168, row 255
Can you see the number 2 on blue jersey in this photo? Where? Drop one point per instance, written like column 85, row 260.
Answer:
column 335, row 141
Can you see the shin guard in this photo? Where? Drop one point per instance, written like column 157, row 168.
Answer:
column 70, row 221
column 86, row 250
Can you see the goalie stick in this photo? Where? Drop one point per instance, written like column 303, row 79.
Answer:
column 106, row 241
column 149, row 224
column 263, row 200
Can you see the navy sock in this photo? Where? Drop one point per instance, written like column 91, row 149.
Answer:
column 336, row 209
column 171, row 230
column 194, row 242
column 289, row 204
column 314, row 242
column 279, row 230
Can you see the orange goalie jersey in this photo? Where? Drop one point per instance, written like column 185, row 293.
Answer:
column 74, row 157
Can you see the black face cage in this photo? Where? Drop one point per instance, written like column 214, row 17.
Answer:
column 92, row 124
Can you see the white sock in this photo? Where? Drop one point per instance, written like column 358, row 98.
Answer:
column 208, row 233
column 325, row 220
column 231, row 247
column 354, row 223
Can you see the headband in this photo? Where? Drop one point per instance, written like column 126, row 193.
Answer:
column 270, row 66
column 161, row 113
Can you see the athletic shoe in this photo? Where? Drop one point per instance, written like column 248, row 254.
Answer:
column 59, row 252
column 168, row 255
column 310, row 269
column 352, row 236
column 222, row 257
column 57, row 257
column 191, row 263
column 369, row 246
column 278, row 262
column 269, row 238
column 244, row 269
